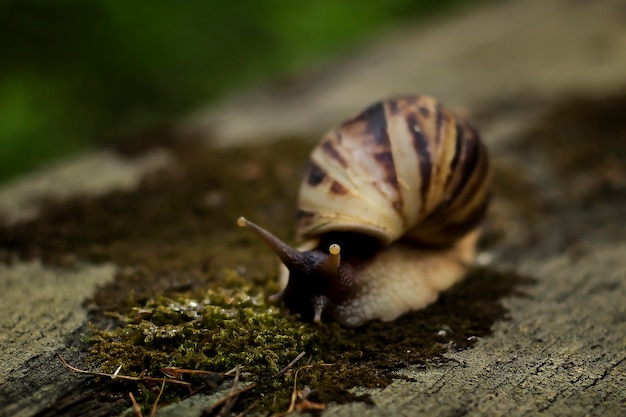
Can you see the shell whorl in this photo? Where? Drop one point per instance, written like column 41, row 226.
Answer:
column 403, row 167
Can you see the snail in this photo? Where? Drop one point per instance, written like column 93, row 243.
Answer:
column 389, row 214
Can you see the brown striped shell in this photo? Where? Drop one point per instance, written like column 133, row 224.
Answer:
column 403, row 168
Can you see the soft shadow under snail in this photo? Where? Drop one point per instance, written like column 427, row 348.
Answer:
column 389, row 214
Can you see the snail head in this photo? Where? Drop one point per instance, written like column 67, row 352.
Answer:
column 312, row 274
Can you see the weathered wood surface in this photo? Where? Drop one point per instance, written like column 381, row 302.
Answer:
column 563, row 351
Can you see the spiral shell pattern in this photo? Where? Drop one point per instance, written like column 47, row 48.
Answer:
column 403, row 168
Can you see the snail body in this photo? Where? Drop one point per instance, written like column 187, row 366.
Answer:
column 389, row 213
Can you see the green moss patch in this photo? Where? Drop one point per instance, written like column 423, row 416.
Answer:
column 192, row 287
column 230, row 326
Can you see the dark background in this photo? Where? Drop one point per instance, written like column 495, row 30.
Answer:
column 75, row 74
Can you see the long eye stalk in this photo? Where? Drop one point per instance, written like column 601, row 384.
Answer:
column 289, row 256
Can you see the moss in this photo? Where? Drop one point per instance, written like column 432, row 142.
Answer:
column 191, row 289
column 218, row 330
column 221, row 328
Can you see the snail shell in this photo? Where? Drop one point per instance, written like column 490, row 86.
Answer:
column 389, row 210
column 401, row 168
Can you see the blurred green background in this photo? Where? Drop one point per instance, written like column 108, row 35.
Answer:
column 75, row 73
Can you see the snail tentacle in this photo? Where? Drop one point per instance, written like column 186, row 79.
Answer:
column 319, row 304
column 330, row 267
column 290, row 257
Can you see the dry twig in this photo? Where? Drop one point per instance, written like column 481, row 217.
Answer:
column 177, row 373
column 231, row 395
column 288, row 367
column 228, row 401
column 136, row 408
column 304, row 405
column 294, row 393
column 154, row 407
column 124, row 377
column 229, row 404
